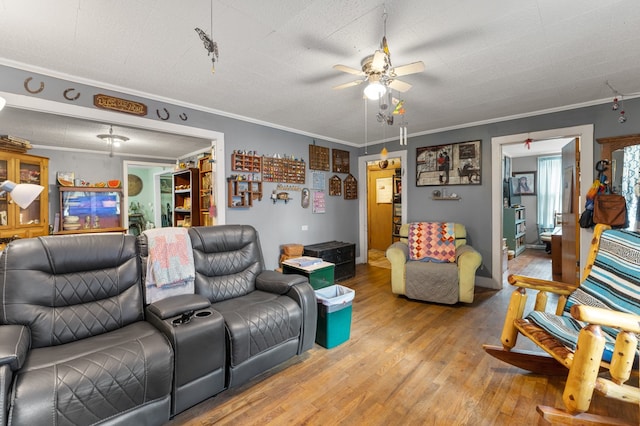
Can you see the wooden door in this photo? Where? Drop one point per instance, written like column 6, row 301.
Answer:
column 379, row 214
column 570, row 209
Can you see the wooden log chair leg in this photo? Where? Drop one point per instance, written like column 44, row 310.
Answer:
column 581, row 383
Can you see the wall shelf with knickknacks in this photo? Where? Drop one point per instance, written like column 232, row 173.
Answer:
column 242, row 193
column 283, row 170
column 443, row 195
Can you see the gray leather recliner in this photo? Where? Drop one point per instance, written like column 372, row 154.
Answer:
column 74, row 346
column 269, row 317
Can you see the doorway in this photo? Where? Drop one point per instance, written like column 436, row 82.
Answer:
column 144, row 200
column 366, row 190
column 585, row 133
column 57, row 108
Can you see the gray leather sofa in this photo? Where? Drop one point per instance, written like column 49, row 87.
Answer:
column 78, row 345
column 74, row 345
column 269, row 317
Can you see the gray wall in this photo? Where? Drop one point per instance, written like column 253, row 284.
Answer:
column 475, row 209
column 280, row 224
column 277, row 224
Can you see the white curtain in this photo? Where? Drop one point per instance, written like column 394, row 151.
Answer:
column 631, row 185
column 549, row 190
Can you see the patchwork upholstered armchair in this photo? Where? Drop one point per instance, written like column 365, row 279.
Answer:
column 433, row 262
column 592, row 335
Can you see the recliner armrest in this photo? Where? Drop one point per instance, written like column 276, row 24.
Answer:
column 466, row 253
column 398, row 253
column 175, row 305
column 277, row 283
column 15, row 341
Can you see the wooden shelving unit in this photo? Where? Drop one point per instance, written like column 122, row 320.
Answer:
column 283, row 170
column 206, row 190
column 396, row 208
column 242, row 193
column 246, row 163
column 186, row 197
column 514, row 228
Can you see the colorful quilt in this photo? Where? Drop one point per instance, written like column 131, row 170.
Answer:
column 432, row 241
column 613, row 283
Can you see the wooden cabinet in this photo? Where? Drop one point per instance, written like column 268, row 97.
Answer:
column 88, row 209
column 186, row 197
column 34, row 220
column 241, row 193
column 514, row 228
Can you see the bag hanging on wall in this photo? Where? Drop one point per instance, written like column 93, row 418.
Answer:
column 610, row 209
column 586, row 219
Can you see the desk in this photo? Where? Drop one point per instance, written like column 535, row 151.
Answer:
column 556, row 254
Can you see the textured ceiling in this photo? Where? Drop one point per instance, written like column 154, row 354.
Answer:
column 484, row 60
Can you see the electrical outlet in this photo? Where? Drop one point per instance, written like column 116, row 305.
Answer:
column 305, row 227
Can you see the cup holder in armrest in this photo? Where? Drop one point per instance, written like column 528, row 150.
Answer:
column 203, row 314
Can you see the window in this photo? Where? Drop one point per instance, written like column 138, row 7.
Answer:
column 549, row 190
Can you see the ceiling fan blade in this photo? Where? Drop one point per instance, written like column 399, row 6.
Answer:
column 412, row 68
column 348, row 70
column 400, row 86
column 379, row 61
column 350, row 84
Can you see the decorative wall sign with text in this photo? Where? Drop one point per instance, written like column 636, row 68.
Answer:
column 119, row 104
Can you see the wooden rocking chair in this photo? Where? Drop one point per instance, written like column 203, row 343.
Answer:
column 598, row 344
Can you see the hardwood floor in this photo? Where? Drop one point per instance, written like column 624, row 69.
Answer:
column 406, row 362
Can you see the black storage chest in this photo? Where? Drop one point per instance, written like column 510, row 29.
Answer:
column 342, row 254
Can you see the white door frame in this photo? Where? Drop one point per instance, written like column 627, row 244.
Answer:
column 585, row 133
column 59, row 108
column 362, row 198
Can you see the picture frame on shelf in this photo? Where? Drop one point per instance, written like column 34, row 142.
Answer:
column 524, row 183
column 451, row 164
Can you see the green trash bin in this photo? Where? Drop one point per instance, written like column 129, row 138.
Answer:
column 334, row 315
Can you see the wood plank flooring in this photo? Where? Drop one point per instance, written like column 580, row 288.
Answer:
column 406, row 363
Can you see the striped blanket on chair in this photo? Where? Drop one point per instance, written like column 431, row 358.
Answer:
column 614, row 283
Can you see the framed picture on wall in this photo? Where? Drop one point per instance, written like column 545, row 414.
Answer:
column 452, row 164
column 524, row 183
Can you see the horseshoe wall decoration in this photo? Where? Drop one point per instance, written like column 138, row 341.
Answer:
column 66, row 94
column 183, row 116
column 161, row 117
column 26, row 86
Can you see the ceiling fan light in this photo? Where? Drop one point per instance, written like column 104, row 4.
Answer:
column 375, row 90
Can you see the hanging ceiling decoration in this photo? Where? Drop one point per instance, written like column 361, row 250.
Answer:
column 378, row 71
column 112, row 140
column 618, row 103
column 210, row 46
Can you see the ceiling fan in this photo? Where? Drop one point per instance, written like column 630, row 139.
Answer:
column 379, row 72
